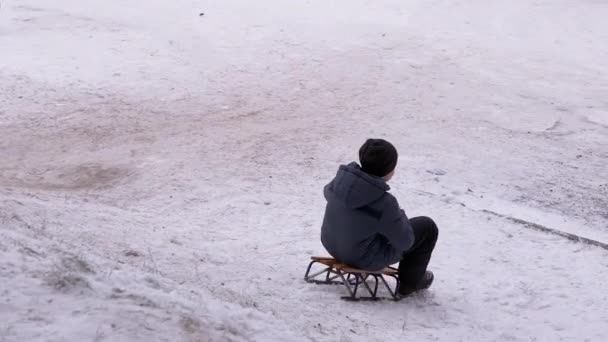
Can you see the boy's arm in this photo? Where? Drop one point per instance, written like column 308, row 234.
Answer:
column 395, row 226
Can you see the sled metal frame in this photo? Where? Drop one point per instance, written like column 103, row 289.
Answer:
column 336, row 273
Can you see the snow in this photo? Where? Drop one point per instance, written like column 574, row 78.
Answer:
column 162, row 170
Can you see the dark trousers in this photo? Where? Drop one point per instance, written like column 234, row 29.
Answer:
column 415, row 260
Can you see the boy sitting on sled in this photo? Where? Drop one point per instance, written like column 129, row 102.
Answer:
column 364, row 226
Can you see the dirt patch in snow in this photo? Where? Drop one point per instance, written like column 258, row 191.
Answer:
column 77, row 177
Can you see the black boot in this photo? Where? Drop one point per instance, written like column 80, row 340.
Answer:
column 424, row 283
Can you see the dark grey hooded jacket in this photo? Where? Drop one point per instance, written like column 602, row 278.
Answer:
column 363, row 225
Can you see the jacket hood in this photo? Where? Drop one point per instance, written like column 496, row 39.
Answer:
column 355, row 188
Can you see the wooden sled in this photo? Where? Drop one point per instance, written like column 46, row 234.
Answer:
column 337, row 273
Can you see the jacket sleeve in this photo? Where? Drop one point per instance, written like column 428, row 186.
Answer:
column 395, row 226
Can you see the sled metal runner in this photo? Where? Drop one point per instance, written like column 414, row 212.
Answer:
column 355, row 281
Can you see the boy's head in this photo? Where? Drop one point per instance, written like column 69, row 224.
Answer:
column 378, row 157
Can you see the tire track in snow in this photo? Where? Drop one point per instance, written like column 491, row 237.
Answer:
column 522, row 222
column 540, row 227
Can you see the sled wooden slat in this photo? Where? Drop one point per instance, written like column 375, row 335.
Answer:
column 348, row 269
column 325, row 260
column 344, row 267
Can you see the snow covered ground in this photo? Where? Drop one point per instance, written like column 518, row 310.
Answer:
column 162, row 165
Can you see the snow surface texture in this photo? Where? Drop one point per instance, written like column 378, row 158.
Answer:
column 162, row 165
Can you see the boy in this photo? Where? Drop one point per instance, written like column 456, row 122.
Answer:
column 364, row 226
